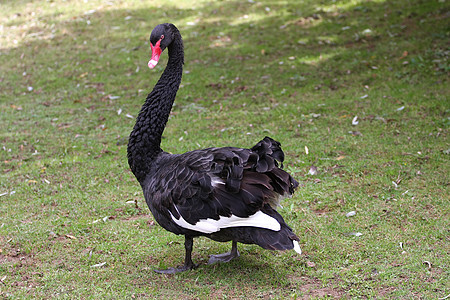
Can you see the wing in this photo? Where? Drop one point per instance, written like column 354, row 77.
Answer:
column 210, row 189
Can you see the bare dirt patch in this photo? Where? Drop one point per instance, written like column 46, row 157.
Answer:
column 310, row 287
column 21, row 269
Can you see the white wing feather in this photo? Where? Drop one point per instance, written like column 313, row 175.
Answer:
column 259, row 219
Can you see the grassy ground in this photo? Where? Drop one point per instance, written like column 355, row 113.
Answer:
column 73, row 223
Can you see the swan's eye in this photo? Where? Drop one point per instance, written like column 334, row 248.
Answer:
column 162, row 37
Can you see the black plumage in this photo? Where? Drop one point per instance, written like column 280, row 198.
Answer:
column 226, row 194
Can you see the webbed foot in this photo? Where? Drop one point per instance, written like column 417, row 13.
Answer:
column 188, row 263
column 225, row 257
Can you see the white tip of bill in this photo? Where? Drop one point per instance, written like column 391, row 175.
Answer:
column 152, row 63
column 297, row 247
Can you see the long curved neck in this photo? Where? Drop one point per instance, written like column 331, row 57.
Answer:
column 145, row 139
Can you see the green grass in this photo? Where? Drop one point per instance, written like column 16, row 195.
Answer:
column 299, row 71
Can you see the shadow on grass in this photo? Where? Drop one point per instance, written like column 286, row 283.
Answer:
column 249, row 271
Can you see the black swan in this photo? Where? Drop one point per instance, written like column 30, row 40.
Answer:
column 225, row 194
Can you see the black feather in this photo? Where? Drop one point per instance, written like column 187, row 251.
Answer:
column 205, row 184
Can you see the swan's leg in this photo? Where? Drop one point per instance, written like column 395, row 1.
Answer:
column 225, row 257
column 188, row 263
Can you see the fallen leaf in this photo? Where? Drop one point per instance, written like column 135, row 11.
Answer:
column 98, row 265
column 353, row 233
column 405, row 54
column 312, row 170
column 310, row 264
column 425, row 262
column 355, row 133
column 381, row 119
column 350, row 213
column 90, row 12
column 16, row 107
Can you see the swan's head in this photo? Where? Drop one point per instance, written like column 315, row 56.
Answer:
column 160, row 39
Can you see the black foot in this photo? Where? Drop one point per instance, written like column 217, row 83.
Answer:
column 177, row 270
column 224, row 257
column 188, row 263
